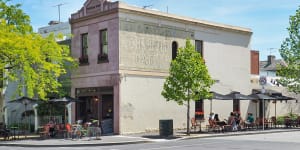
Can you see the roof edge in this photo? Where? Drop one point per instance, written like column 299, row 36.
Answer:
column 125, row 6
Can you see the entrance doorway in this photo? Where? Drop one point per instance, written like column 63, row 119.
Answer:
column 97, row 108
column 87, row 109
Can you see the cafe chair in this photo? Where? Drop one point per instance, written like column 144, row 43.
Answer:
column 44, row 133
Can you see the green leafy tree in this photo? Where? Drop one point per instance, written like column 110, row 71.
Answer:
column 13, row 15
column 33, row 62
column 290, row 52
column 188, row 79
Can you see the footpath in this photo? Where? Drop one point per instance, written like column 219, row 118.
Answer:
column 34, row 141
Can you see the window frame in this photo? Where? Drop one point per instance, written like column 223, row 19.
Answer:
column 174, row 49
column 83, row 60
column 199, row 109
column 103, row 56
column 199, row 49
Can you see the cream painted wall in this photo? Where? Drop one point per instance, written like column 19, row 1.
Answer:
column 227, row 56
column 142, row 106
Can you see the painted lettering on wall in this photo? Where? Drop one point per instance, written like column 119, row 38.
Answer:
column 146, row 46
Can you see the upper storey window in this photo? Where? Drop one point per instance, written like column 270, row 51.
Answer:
column 174, row 49
column 199, row 47
column 84, row 49
column 103, row 55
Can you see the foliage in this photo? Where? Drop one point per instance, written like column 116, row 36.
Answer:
column 280, row 120
column 290, row 52
column 13, row 15
column 34, row 62
column 23, row 126
column 188, row 78
column 51, row 109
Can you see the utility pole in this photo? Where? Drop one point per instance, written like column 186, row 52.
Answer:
column 58, row 6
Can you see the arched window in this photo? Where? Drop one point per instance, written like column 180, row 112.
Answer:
column 174, row 49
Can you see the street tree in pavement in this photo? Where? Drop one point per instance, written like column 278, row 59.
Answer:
column 290, row 52
column 188, row 79
column 28, row 59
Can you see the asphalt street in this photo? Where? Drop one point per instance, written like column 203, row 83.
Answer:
column 271, row 141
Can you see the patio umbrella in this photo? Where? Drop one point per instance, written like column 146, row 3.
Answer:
column 238, row 96
column 263, row 97
column 25, row 101
column 65, row 101
column 280, row 97
column 218, row 96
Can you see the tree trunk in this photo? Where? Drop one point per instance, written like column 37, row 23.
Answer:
column 188, row 118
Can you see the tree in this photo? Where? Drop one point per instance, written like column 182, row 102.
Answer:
column 188, row 79
column 290, row 52
column 12, row 15
column 33, row 62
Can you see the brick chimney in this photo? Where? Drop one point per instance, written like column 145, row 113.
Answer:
column 254, row 62
column 271, row 59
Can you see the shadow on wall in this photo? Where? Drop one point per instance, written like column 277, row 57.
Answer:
column 128, row 110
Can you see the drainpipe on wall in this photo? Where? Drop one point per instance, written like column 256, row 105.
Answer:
column 36, row 123
column 69, row 108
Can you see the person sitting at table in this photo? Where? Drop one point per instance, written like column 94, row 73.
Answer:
column 51, row 125
column 218, row 122
column 232, row 121
column 250, row 119
column 211, row 116
column 238, row 119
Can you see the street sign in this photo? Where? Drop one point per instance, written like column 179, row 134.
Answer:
column 262, row 80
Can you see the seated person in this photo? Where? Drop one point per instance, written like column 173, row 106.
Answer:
column 232, row 121
column 238, row 118
column 51, row 125
column 250, row 119
column 211, row 116
column 217, row 120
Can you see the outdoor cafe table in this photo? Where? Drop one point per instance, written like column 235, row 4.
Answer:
column 14, row 131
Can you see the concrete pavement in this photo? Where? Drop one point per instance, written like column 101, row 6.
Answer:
column 127, row 139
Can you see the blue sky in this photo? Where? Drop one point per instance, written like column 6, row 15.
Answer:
column 268, row 19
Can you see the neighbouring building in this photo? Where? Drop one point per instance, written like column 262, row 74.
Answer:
column 268, row 68
column 125, row 53
column 56, row 28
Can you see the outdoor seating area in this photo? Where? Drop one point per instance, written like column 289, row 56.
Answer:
column 213, row 126
column 70, row 131
column 4, row 132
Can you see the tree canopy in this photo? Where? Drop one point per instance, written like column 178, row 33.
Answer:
column 26, row 58
column 290, row 52
column 188, row 78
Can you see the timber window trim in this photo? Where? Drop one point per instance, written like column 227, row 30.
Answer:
column 103, row 41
